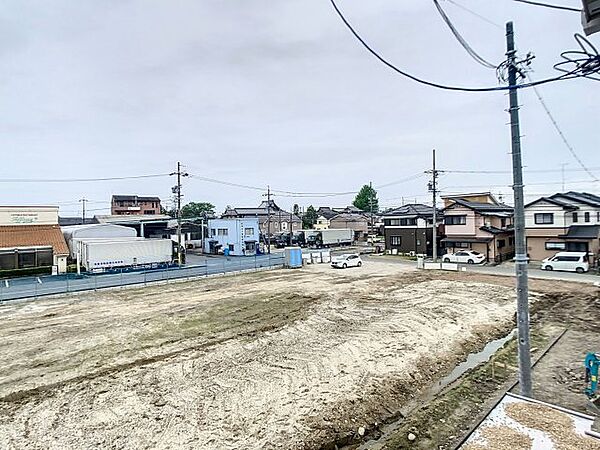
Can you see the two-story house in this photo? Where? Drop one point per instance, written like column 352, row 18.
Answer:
column 409, row 229
column 271, row 218
column 324, row 215
column 563, row 222
column 480, row 223
column 129, row 205
column 351, row 221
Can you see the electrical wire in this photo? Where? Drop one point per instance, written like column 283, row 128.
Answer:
column 77, row 180
column 547, row 5
column 429, row 83
column 561, row 134
column 479, row 59
column 524, row 171
column 476, row 14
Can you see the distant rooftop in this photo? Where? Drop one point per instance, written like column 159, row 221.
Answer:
column 134, row 198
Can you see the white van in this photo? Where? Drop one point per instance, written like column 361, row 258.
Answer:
column 567, row 261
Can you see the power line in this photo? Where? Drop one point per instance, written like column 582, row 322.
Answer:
column 432, row 84
column 479, row 59
column 547, row 5
column 476, row 14
column 560, row 133
column 77, row 180
column 526, row 171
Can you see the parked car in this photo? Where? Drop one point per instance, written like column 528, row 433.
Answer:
column 464, row 256
column 345, row 261
column 567, row 261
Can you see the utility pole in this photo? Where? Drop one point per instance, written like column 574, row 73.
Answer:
column 268, row 194
column 177, row 191
column 370, row 231
column 520, row 246
column 562, row 171
column 84, row 200
column 433, row 188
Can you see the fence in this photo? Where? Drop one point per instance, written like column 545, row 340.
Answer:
column 20, row 288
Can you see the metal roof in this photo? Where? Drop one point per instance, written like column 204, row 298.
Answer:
column 582, row 232
column 412, row 209
column 482, row 207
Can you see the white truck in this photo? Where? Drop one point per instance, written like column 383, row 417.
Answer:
column 99, row 255
column 331, row 238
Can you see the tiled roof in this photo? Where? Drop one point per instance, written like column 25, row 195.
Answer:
column 482, row 207
column 570, row 200
column 34, row 236
column 413, row 209
column 583, row 232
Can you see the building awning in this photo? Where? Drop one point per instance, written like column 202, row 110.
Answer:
column 23, row 236
column 583, row 232
column 467, row 240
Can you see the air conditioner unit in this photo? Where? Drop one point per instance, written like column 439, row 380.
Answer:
column 590, row 16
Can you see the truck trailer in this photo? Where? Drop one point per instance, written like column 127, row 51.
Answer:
column 331, row 238
column 100, row 255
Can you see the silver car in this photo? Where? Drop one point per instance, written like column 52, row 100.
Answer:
column 345, row 261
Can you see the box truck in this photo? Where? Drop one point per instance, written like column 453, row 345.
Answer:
column 331, row 238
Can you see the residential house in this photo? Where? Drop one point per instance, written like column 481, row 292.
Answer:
column 271, row 218
column 352, row 221
column 237, row 237
column 128, row 205
column 563, row 222
column 30, row 238
column 481, row 223
column 409, row 229
column 324, row 215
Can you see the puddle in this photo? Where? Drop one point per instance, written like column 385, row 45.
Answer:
column 472, row 361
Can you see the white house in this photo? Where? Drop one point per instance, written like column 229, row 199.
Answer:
column 238, row 237
column 565, row 221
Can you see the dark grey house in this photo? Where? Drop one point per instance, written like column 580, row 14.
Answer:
column 408, row 229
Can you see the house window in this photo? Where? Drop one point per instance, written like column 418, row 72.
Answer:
column 222, row 232
column 555, row 246
column 575, row 217
column 502, row 223
column 213, row 232
column 586, row 217
column 511, row 241
column 544, row 218
column 455, row 220
column 392, row 222
column 396, row 240
column 231, row 247
column 408, row 222
column 577, row 247
column 501, row 243
column 248, row 231
column 598, row 216
column 458, row 244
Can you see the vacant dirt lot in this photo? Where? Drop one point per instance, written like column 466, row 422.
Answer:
column 281, row 359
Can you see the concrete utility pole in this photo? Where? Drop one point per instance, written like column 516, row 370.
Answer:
column 433, row 188
column 370, row 230
column 83, row 201
column 268, row 194
column 177, row 191
column 520, row 246
column 562, row 172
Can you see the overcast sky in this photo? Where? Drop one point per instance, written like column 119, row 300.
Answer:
column 261, row 92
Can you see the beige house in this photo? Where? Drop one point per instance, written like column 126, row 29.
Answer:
column 356, row 222
column 480, row 223
column 563, row 222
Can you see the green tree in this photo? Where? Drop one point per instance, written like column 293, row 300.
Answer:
column 366, row 199
column 194, row 209
column 296, row 209
column 310, row 218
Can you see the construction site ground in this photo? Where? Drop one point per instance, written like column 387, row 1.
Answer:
column 290, row 359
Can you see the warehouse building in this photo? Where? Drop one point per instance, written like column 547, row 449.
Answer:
column 95, row 231
column 30, row 238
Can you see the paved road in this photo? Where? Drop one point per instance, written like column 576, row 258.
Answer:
column 37, row 286
column 508, row 269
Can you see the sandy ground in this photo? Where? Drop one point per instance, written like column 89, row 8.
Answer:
column 280, row 359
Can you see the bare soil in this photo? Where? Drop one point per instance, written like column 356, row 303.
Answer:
column 281, row 359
